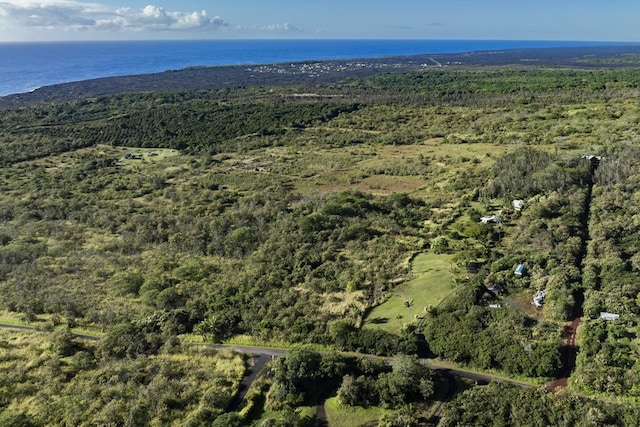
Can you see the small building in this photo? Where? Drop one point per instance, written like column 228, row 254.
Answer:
column 609, row 316
column 519, row 270
column 496, row 289
column 488, row 219
column 538, row 298
column 495, row 306
column 592, row 157
column 491, row 218
column 517, row 204
column 595, row 160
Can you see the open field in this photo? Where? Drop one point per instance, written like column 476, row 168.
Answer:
column 347, row 416
column 431, row 282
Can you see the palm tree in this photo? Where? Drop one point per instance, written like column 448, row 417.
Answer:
column 409, row 303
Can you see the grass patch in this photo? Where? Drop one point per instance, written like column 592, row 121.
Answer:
column 350, row 416
column 496, row 375
column 431, row 283
column 247, row 340
column 12, row 318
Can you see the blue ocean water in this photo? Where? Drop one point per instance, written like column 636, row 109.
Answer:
column 27, row 66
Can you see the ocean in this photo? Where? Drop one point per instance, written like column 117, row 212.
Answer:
column 27, row 66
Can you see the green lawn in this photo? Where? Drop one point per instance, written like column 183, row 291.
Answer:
column 432, row 281
column 347, row 416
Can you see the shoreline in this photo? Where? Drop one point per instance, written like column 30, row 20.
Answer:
column 326, row 71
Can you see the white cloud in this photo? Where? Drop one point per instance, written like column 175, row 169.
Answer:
column 286, row 27
column 68, row 15
column 272, row 28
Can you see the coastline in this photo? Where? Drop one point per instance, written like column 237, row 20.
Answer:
column 21, row 70
column 326, row 71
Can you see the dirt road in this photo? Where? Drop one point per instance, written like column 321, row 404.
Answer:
column 569, row 354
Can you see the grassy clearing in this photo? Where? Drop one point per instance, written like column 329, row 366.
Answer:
column 12, row 318
column 432, row 282
column 348, row 416
column 43, row 323
column 249, row 341
column 146, row 155
column 495, row 374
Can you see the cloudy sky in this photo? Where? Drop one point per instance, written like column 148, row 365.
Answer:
column 32, row 20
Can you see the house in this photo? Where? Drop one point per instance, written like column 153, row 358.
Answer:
column 538, row 298
column 519, row 270
column 491, row 218
column 496, row 289
column 609, row 316
column 488, row 219
column 595, row 160
column 517, row 204
column 592, row 157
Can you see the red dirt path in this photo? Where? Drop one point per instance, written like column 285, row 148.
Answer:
column 569, row 353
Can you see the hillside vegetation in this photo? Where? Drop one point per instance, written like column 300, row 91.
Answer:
column 345, row 214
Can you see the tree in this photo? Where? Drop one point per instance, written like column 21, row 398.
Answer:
column 130, row 340
column 440, row 245
column 409, row 381
column 12, row 419
column 409, row 303
column 358, row 391
column 217, row 327
column 64, row 343
column 230, row 419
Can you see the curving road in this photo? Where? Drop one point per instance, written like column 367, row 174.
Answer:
column 262, row 355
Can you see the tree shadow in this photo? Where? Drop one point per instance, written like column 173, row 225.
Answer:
column 379, row 320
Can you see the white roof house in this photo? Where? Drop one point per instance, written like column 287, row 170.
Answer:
column 609, row 316
column 491, row 218
column 538, row 299
column 488, row 219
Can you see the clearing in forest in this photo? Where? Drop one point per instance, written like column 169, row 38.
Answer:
column 431, row 282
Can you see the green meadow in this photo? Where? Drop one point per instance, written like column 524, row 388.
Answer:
column 431, row 281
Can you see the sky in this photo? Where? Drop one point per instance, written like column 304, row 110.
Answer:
column 52, row 20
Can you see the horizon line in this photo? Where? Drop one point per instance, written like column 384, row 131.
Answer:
column 319, row 39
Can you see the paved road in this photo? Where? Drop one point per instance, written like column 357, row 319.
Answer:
column 480, row 378
column 18, row 327
column 257, row 366
column 262, row 355
column 253, row 350
column 452, row 390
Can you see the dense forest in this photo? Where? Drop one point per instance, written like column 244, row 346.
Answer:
column 374, row 216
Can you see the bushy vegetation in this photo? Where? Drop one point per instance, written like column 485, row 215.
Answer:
column 548, row 237
column 303, row 376
column 500, row 404
column 56, row 379
column 608, row 355
column 264, row 213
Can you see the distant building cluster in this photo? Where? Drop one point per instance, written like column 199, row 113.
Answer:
column 315, row 69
